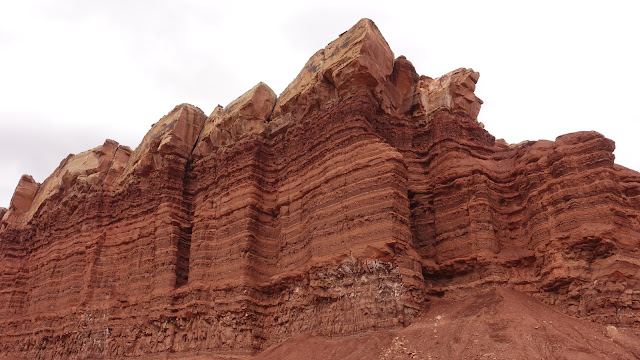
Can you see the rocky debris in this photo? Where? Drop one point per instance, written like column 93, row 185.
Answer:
column 361, row 200
column 494, row 323
column 612, row 331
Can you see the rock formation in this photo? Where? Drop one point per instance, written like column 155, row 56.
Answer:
column 355, row 203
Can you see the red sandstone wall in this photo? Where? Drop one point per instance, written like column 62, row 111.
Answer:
column 342, row 206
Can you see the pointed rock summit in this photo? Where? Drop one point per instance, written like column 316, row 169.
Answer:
column 364, row 213
column 175, row 134
column 20, row 202
column 360, row 59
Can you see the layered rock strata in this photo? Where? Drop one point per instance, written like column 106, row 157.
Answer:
column 344, row 205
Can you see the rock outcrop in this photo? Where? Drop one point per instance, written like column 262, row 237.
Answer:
column 245, row 117
column 21, row 201
column 351, row 203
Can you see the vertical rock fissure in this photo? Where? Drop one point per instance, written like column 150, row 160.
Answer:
column 186, row 228
column 183, row 260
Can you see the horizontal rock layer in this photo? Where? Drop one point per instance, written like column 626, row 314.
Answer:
column 345, row 205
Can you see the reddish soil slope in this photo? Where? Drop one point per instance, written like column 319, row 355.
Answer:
column 497, row 323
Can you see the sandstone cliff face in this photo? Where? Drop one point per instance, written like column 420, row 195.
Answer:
column 347, row 204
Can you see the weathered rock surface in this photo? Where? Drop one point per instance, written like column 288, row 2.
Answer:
column 21, row 201
column 244, row 117
column 358, row 199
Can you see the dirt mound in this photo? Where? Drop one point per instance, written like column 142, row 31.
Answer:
column 496, row 323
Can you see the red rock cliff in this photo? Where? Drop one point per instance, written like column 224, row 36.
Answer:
column 347, row 204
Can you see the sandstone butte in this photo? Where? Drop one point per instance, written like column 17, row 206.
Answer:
column 364, row 213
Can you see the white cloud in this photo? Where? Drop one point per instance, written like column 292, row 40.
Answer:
column 73, row 73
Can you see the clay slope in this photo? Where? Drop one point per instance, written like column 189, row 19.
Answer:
column 496, row 323
column 351, row 206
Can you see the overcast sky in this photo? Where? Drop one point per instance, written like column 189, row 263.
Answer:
column 73, row 73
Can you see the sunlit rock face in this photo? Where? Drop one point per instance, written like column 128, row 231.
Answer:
column 346, row 205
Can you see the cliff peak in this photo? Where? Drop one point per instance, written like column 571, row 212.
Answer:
column 359, row 57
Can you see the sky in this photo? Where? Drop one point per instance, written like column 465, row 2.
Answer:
column 74, row 72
